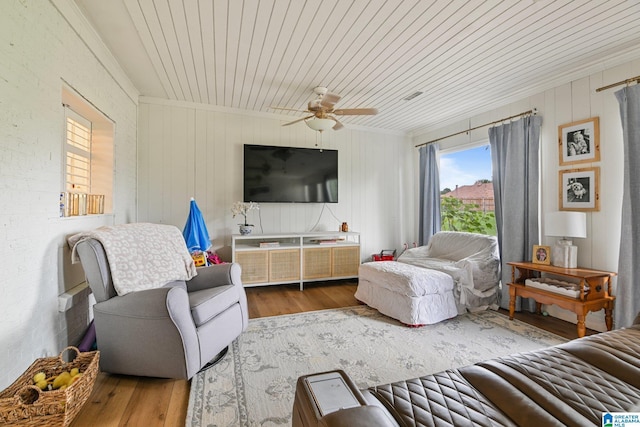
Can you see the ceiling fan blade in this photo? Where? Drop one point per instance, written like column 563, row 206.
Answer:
column 338, row 125
column 329, row 100
column 288, row 109
column 356, row 111
column 299, row 120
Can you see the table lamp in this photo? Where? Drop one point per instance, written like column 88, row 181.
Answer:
column 566, row 225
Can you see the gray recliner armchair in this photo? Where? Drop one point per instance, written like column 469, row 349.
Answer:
column 167, row 332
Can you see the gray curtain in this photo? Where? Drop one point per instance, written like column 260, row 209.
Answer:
column 627, row 302
column 429, row 221
column 514, row 158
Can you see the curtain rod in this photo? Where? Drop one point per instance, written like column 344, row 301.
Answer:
column 631, row 80
column 534, row 111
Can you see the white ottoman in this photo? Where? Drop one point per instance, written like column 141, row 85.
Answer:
column 413, row 295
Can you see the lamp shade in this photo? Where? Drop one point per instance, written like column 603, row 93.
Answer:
column 320, row 124
column 566, row 224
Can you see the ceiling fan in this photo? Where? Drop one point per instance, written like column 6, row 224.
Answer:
column 323, row 112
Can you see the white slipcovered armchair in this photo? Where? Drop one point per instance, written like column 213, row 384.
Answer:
column 472, row 260
column 456, row 272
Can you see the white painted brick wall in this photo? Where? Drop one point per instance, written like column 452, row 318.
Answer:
column 38, row 50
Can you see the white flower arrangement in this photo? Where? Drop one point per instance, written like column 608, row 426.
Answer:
column 243, row 208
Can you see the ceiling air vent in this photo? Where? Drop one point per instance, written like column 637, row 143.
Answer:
column 413, row 95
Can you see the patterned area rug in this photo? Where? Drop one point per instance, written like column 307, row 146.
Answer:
column 254, row 384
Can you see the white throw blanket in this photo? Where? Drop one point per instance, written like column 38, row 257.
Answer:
column 141, row 255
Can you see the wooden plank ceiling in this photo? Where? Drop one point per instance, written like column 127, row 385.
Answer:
column 464, row 56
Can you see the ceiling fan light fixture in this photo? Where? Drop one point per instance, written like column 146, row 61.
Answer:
column 320, row 125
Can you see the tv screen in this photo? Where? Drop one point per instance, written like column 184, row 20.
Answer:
column 290, row 175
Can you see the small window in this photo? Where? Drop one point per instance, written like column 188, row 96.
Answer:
column 87, row 158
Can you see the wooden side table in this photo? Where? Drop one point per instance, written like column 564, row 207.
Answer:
column 598, row 296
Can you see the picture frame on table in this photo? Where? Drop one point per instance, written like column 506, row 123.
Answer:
column 541, row 254
column 579, row 142
column 579, row 189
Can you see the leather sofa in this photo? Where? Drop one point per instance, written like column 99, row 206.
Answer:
column 571, row 384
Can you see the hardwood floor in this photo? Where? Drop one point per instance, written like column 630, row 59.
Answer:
column 119, row 400
column 277, row 300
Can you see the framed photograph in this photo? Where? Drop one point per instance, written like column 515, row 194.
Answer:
column 579, row 189
column 579, row 142
column 541, row 254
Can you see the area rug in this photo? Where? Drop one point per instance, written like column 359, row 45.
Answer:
column 254, row 384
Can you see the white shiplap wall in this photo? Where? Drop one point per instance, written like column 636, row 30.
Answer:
column 563, row 104
column 188, row 149
column 43, row 45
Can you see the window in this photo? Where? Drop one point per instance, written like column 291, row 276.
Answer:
column 87, row 158
column 77, row 149
column 466, row 190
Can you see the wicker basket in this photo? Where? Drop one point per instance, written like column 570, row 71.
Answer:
column 24, row 404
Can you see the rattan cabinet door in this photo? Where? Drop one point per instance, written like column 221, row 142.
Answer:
column 255, row 266
column 284, row 265
column 317, row 263
column 345, row 261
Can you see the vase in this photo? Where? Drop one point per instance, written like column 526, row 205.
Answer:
column 246, row 229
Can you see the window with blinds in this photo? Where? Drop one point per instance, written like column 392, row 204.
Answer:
column 87, row 153
column 77, row 153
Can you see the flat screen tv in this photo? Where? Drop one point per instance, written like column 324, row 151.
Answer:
column 290, row 175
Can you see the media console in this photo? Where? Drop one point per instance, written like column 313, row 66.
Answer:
column 281, row 258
